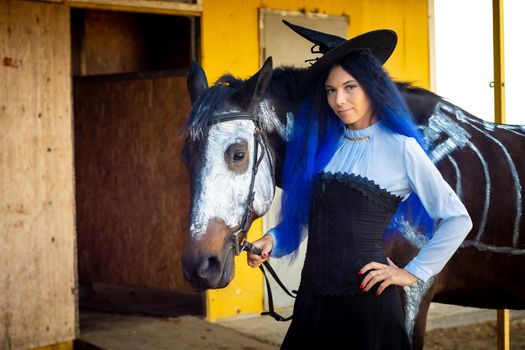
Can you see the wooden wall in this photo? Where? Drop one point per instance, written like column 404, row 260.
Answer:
column 37, row 234
column 132, row 188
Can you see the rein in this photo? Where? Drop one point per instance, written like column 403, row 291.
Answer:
column 240, row 243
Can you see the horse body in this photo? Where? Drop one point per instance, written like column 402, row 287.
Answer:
column 485, row 165
column 482, row 161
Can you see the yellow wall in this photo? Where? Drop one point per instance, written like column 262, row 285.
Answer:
column 230, row 43
column 230, row 32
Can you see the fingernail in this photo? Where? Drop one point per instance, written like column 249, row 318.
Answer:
column 361, row 286
column 359, row 272
column 377, row 293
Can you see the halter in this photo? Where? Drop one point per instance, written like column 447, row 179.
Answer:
column 240, row 243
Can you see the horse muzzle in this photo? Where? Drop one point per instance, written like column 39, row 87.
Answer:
column 208, row 262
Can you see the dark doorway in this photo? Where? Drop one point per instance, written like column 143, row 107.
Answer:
column 132, row 191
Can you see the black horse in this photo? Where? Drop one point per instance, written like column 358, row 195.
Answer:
column 484, row 162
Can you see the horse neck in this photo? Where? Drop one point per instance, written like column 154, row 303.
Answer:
column 283, row 98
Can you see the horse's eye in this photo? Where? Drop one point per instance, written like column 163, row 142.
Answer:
column 238, row 157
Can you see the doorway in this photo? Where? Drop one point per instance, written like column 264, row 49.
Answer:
column 132, row 191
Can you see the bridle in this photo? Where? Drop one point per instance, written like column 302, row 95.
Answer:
column 239, row 242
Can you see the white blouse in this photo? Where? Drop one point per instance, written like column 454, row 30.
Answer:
column 399, row 165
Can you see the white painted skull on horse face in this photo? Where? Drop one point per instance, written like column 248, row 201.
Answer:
column 230, row 169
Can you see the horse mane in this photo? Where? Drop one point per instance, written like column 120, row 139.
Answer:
column 421, row 102
column 201, row 117
column 202, row 114
column 285, row 82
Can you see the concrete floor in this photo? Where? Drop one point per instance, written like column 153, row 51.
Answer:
column 121, row 318
column 121, row 332
column 268, row 330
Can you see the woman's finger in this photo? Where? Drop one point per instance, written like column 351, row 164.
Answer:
column 388, row 281
column 371, row 266
column 255, row 260
column 373, row 277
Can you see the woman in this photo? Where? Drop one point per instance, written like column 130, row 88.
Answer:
column 355, row 154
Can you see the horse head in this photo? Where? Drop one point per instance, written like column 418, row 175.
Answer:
column 230, row 168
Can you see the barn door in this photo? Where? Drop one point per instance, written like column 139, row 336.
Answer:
column 132, row 192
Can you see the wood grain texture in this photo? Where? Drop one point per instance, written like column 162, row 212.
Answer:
column 37, row 234
column 132, row 188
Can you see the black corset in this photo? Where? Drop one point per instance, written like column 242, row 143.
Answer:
column 348, row 216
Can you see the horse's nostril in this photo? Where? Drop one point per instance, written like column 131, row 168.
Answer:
column 209, row 267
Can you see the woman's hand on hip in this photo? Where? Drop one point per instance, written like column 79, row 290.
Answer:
column 386, row 275
column 266, row 245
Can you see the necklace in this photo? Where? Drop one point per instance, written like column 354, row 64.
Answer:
column 360, row 139
column 357, row 139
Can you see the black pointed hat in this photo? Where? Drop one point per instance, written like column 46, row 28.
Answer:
column 380, row 42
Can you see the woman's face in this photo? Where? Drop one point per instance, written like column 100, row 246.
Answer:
column 347, row 99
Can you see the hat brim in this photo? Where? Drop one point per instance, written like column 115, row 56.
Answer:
column 380, row 42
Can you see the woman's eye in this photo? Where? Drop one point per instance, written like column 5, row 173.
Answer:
column 350, row 87
column 329, row 91
column 238, row 156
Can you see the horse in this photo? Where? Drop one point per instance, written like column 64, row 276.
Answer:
column 236, row 141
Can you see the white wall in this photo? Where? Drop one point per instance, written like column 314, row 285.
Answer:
column 515, row 60
column 464, row 56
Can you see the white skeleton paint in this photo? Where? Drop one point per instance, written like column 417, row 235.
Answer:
column 458, row 137
column 515, row 176
column 222, row 193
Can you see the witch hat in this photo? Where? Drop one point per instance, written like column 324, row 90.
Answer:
column 380, row 42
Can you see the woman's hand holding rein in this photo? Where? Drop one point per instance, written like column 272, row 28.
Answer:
column 266, row 245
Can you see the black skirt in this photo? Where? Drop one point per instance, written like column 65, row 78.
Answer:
column 362, row 321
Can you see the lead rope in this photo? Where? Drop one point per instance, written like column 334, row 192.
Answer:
column 271, row 309
column 250, row 248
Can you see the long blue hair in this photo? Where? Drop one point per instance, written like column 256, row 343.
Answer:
column 316, row 135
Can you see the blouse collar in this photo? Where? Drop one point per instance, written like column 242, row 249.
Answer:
column 362, row 134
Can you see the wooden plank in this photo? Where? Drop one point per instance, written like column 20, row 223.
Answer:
column 499, row 61
column 132, row 188
column 503, row 329
column 37, row 236
column 60, row 346
column 503, row 319
column 143, row 6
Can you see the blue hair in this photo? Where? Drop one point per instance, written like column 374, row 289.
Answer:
column 315, row 138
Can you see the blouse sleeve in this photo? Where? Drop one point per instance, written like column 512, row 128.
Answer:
column 279, row 249
column 441, row 203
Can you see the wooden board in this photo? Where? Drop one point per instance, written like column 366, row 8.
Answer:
column 37, row 237
column 132, row 188
column 143, row 6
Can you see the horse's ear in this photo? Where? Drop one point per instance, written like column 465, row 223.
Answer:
column 255, row 87
column 197, row 82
